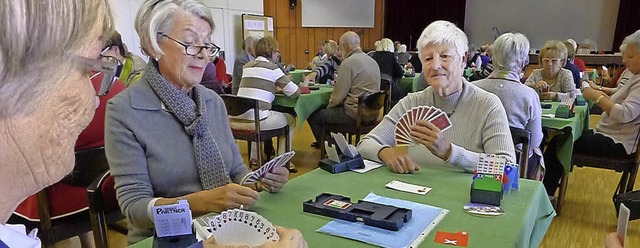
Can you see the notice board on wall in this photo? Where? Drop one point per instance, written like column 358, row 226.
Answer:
column 257, row 26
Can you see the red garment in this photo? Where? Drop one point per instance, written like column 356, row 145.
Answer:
column 614, row 81
column 93, row 135
column 65, row 199
column 580, row 64
column 221, row 71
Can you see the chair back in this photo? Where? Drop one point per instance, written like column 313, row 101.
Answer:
column 237, row 105
column 372, row 101
column 521, row 136
column 88, row 165
column 385, row 86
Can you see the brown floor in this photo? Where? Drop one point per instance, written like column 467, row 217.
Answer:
column 588, row 213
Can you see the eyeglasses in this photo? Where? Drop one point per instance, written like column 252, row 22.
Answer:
column 553, row 60
column 193, row 50
column 109, row 66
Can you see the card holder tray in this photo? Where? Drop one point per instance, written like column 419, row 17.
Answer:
column 370, row 213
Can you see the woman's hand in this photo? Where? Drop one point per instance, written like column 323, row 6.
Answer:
column 289, row 238
column 612, row 241
column 430, row 136
column 541, row 86
column 274, row 180
column 592, row 94
column 593, row 85
column 397, row 161
column 551, row 95
column 226, row 197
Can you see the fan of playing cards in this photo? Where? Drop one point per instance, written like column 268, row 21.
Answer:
column 240, row 227
column 432, row 114
column 276, row 162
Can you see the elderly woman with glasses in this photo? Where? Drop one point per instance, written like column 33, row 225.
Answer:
column 168, row 137
column 552, row 82
column 479, row 122
column 510, row 57
column 46, row 97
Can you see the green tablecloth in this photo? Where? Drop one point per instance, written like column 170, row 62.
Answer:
column 305, row 104
column 409, row 83
column 298, row 75
column 576, row 124
column 593, row 74
column 528, row 211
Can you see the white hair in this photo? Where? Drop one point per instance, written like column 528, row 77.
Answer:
column 41, row 41
column 510, row 51
column 573, row 43
column 156, row 16
column 443, row 32
column 385, row 45
column 376, row 44
column 248, row 43
column 402, row 49
column 632, row 39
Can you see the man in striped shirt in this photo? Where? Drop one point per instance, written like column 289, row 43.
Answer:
column 261, row 79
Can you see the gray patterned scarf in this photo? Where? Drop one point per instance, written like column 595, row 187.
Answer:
column 191, row 113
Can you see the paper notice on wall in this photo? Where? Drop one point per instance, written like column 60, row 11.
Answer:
column 270, row 24
column 253, row 25
column 256, row 34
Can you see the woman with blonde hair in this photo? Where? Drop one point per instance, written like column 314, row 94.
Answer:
column 552, row 82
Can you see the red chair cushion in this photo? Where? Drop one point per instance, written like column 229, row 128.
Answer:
column 109, row 193
column 63, row 200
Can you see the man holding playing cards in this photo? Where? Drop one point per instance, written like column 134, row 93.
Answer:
column 473, row 119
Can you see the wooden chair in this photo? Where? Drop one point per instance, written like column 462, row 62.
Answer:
column 521, row 136
column 374, row 101
column 237, row 105
column 104, row 209
column 386, row 85
column 627, row 165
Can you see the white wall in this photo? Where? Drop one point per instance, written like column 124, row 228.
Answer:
column 542, row 20
column 226, row 15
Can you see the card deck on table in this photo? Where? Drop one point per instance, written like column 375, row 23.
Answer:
column 240, row 227
column 278, row 161
column 432, row 114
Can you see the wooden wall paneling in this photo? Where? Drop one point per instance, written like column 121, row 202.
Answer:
column 282, row 14
column 293, row 47
column 302, row 44
column 312, row 44
column 366, row 43
column 282, row 35
column 321, row 34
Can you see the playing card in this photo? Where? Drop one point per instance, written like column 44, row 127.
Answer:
column 425, row 112
column 482, row 209
column 434, row 112
column 441, row 121
column 404, row 127
column 278, row 161
column 623, row 222
column 414, row 115
column 406, row 187
column 401, row 139
column 239, row 227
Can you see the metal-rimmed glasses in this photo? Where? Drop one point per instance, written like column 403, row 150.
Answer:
column 109, row 66
column 194, row 50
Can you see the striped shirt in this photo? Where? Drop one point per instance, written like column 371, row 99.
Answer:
column 259, row 80
column 326, row 70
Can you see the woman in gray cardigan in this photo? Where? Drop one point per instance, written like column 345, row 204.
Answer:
column 479, row 122
column 510, row 56
column 167, row 137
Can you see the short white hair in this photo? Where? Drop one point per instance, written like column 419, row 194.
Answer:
column 510, row 51
column 443, row 32
column 402, row 49
column 632, row 39
column 385, row 45
column 573, row 43
column 41, row 41
column 156, row 16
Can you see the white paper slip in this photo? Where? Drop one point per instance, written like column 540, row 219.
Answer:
column 369, row 165
column 549, row 115
column 406, row 187
column 623, row 221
